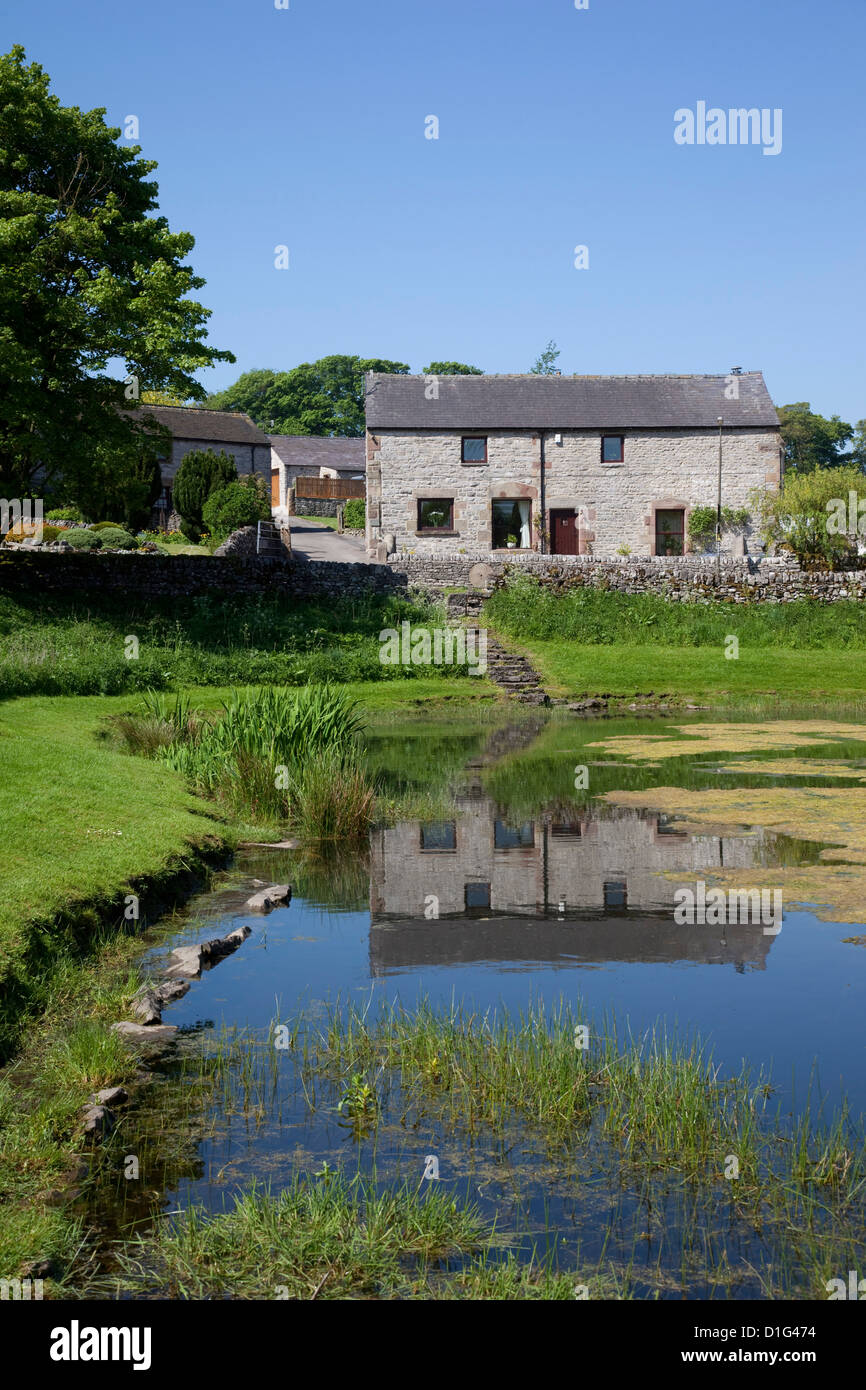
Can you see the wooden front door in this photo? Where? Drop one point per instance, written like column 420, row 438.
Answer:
column 275, row 487
column 564, row 538
column 670, row 531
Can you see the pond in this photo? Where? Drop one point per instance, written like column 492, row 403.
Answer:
column 543, row 864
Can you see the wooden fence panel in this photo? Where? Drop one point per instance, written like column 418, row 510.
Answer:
column 332, row 489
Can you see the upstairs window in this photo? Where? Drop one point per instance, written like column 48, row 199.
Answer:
column 612, row 448
column 435, row 514
column 474, row 449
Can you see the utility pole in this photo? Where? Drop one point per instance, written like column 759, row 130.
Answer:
column 719, row 509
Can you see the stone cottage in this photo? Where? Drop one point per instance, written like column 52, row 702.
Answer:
column 223, row 431
column 581, row 465
column 312, row 456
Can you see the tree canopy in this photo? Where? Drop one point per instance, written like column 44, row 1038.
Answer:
column 89, row 277
column 323, row 397
column 810, row 440
column 451, row 369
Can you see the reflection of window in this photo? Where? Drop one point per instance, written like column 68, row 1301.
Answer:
column 615, row 893
column 565, row 830
column 612, row 448
column 474, row 450
column 666, row 826
column 477, row 895
column 510, row 523
column 439, row 836
column 435, row 513
column 513, row 836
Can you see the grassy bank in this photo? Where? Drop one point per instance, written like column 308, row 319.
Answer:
column 594, row 642
column 85, row 824
column 67, row 645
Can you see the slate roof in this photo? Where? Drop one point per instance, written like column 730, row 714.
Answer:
column 566, row 402
column 316, row 451
column 213, row 426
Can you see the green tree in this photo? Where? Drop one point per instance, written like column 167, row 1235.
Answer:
column 231, row 507
column 545, row 363
column 804, row 516
column 87, row 277
column 810, row 440
column 122, row 483
column 323, row 398
column 858, row 453
column 201, row 472
column 451, row 369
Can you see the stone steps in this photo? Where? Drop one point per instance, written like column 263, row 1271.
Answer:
column 513, row 673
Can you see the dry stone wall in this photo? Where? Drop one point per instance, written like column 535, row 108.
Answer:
column 169, row 576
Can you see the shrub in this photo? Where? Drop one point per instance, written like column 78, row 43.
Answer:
column 702, row 522
column 800, row 517
column 107, row 526
column 201, row 472
column 64, row 514
column 354, row 513
column 84, row 540
column 231, row 507
column 114, row 538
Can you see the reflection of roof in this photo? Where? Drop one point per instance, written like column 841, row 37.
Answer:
column 566, row 402
column 217, row 426
column 410, row 944
column 317, row 451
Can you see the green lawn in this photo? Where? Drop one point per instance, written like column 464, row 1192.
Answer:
column 329, row 521
column 703, row 673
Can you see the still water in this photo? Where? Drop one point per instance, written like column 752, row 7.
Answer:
column 544, row 865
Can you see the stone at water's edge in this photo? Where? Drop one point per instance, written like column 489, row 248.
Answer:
column 145, row 1032
column 269, row 897
column 98, row 1121
column 147, row 1007
column 190, row 960
column 111, row 1095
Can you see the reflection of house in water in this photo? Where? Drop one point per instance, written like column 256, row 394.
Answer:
column 482, row 887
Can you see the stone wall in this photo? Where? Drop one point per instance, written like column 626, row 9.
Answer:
column 662, row 469
column 136, row 573
column 314, row 506
column 737, row 580
column 140, row 575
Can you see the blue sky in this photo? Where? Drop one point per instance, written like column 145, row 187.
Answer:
column 306, row 127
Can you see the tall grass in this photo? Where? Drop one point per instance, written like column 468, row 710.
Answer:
column 269, row 725
column 582, row 613
column 274, row 754
column 64, row 644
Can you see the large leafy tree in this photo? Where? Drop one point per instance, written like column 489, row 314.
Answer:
column 324, row 397
column 451, row 369
column 810, row 440
column 89, row 278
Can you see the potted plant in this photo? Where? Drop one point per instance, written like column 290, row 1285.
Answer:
column 511, row 541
